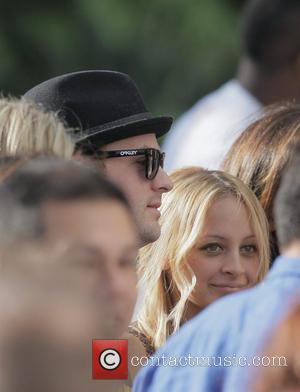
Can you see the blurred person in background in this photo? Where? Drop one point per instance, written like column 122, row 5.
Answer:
column 282, row 352
column 232, row 332
column 110, row 122
column 75, row 206
column 268, row 72
column 214, row 242
column 26, row 128
column 48, row 320
column 10, row 163
column 17, row 223
column 260, row 153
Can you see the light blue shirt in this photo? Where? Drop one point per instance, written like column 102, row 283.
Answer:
column 216, row 350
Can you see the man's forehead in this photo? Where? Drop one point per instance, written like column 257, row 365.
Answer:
column 141, row 141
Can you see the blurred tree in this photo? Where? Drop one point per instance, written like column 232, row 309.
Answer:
column 176, row 51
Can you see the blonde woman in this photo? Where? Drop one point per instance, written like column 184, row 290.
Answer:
column 214, row 241
column 26, row 128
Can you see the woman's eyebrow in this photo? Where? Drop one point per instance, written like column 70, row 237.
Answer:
column 214, row 236
column 249, row 236
column 224, row 238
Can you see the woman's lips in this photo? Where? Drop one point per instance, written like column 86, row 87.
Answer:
column 227, row 288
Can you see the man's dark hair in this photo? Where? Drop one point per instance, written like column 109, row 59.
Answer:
column 287, row 202
column 51, row 179
column 270, row 32
column 17, row 222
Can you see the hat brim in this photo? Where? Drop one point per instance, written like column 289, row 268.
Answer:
column 98, row 137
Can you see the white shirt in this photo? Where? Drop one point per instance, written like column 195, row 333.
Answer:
column 203, row 135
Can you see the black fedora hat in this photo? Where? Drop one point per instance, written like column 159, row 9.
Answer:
column 101, row 106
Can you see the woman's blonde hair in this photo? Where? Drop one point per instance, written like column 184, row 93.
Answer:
column 183, row 214
column 26, row 128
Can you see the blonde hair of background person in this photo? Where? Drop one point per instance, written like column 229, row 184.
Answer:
column 162, row 265
column 26, row 128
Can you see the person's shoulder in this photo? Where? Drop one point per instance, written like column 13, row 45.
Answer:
column 227, row 306
column 220, row 317
column 207, row 335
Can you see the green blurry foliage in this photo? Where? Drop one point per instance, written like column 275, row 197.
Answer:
column 175, row 50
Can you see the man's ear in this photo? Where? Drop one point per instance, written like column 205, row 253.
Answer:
column 78, row 156
column 89, row 160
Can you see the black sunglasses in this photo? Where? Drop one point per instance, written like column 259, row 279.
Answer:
column 153, row 158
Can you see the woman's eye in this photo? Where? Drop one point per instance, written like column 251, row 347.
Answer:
column 249, row 249
column 212, row 248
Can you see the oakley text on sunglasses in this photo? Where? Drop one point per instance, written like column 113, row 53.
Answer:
column 153, row 158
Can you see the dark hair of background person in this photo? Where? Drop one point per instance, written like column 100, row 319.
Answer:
column 270, row 32
column 259, row 155
column 270, row 46
column 46, row 178
column 287, row 203
column 9, row 164
column 52, row 179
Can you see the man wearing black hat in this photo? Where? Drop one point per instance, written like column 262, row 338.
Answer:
column 111, row 122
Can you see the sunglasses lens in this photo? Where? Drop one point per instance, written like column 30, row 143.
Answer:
column 149, row 165
column 153, row 162
column 162, row 159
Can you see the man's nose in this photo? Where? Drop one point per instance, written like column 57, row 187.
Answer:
column 162, row 181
